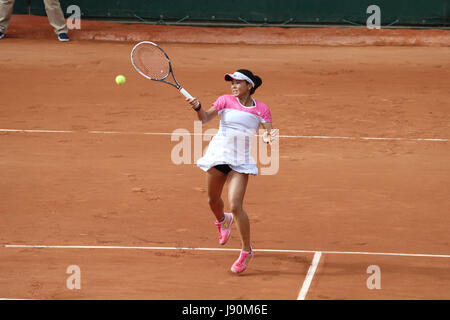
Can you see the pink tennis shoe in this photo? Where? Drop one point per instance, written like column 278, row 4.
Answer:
column 241, row 264
column 225, row 228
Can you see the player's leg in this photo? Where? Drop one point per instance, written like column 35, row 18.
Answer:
column 6, row 9
column 56, row 16
column 237, row 185
column 216, row 180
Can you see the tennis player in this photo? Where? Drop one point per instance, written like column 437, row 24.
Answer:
column 228, row 155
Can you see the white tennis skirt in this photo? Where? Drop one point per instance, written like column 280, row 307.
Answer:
column 222, row 150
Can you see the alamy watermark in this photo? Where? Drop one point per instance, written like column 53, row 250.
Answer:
column 374, row 281
column 74, row 281
column 245, row 147
column 74, row 20
column 374, row 20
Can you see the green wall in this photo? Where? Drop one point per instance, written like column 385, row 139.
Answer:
column 21, row 6
column 399, row 12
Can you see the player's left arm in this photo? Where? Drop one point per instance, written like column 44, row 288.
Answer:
column 267, row 126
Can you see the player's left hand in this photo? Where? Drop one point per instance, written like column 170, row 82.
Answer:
column 269, row 137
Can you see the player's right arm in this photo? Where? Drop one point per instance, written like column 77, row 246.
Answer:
column 203, row 115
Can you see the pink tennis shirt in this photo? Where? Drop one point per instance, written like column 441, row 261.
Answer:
column 231, row 102
column 232, row 143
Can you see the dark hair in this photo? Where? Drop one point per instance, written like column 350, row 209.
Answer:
column 256, row 79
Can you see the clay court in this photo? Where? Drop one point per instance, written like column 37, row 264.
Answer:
column 87, row 177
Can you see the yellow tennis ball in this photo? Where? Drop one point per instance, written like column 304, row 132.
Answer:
column 120, row 79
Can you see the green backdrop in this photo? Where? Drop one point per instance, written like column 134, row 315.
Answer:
column 289, row 12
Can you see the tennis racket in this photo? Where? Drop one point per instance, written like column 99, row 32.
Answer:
column 153, row 63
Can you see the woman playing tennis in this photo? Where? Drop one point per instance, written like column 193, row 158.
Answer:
column 228, row 155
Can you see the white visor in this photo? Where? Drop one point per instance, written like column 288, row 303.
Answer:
column 238, row 76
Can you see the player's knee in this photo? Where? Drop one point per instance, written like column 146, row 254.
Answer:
column 235, row 207
column 212, row 201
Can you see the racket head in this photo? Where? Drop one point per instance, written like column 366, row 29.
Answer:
column 151, row 61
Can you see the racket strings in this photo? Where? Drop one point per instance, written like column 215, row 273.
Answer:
column 151, row 61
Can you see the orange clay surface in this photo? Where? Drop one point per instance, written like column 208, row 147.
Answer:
column 122, row 189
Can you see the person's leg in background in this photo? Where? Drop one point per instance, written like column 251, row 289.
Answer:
column 56, row 18
column 6, row 9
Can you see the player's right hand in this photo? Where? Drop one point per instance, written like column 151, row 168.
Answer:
column 194, row 102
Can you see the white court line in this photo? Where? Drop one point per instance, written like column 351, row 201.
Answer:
column 225, row 249
column 193, row 134
column 35, row 131
column 309, row 276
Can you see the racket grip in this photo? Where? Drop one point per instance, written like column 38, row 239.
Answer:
column 185, row 93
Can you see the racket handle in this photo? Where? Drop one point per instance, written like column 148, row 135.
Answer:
column 185, row 93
